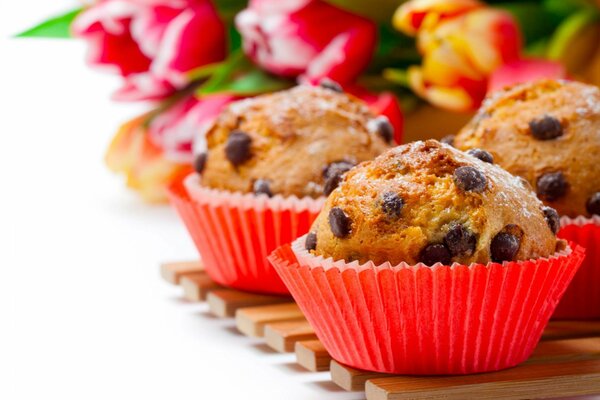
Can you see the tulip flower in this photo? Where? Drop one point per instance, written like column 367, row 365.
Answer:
column 385, row 104
column 308, row 39
column 461, row 44
column 155, row 150
column 414, row 15
column 525, row 70
column 151, row 44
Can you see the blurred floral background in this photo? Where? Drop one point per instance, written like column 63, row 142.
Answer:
column 425, row 64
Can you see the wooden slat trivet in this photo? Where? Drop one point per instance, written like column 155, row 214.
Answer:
column 311, row 354
column 251, row 321
column 351, row 379
column 571, row 350
column 282, row 336
column 225, row 302
column 172, row 272
column 561, row 368
column 558, row 368
column 197, row 285
column 347, row 377
column 571, row 329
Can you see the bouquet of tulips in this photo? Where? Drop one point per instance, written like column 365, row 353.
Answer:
column 190, row 58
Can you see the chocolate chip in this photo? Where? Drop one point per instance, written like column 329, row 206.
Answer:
column 470, row 179
column 311, row 241
column 327, row 83
column 593, row 204
column 448, row 139
column 333, row 174
column 262, row 186
column 392, row 204
column 331, row 184
column 546, row 128
column 200, row 162
column 434, row 253
column 336, row 168
column 460, row 241
column 382, row 126
column 504, row 247
column 237, row 148
column 551, row 186
column 339, row 222
column 482, row 155
column 552, row 218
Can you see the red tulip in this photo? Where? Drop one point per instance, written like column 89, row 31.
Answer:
column 152, row 43
column 385, row 104
column 309, row 39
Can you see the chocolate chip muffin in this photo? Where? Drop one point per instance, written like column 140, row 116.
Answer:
column 428, row 202
column 547, row 132
column 294, row 142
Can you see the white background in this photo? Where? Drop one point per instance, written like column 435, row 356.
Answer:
column 83, row 312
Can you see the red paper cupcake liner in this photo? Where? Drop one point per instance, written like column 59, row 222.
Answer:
column 420, row 320
column 581, row 301
column 236, row 232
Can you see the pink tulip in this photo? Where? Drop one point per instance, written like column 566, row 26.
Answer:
column 153, row 44
column 525, row 70
column 176, row 129
column 309, row 39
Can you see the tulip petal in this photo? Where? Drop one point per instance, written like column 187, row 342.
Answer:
column 143, row 164
column 181, row 50
column 416, row 14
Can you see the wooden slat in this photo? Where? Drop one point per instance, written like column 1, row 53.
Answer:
column 571, row 329
column 282, row 336
column 311, row 354
column 225, row 302
column 559, row 368
column 197, row 285
column 251, row 321
column 172, row 272
column 351, row 379
column 524, row 382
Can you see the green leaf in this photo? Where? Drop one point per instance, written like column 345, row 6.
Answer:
column 568, row 30
column 253, row 82
column 238, row 76
column 56, row 27
column 399, row 76
column 535, row 21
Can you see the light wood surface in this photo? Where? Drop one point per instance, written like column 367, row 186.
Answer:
column 197, row 285
column 351, row 379
column 561, row 368
column 173, row 271
column 311, row 354
column 282, row 336
column 251, row 321
column 225, row 302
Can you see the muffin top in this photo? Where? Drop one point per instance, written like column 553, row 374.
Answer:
column 547, row 132
column 428, row 202
column 294, row 142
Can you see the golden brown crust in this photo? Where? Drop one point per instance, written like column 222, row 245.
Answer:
column 422, row 175
column 294, row 135
column 502, row 127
